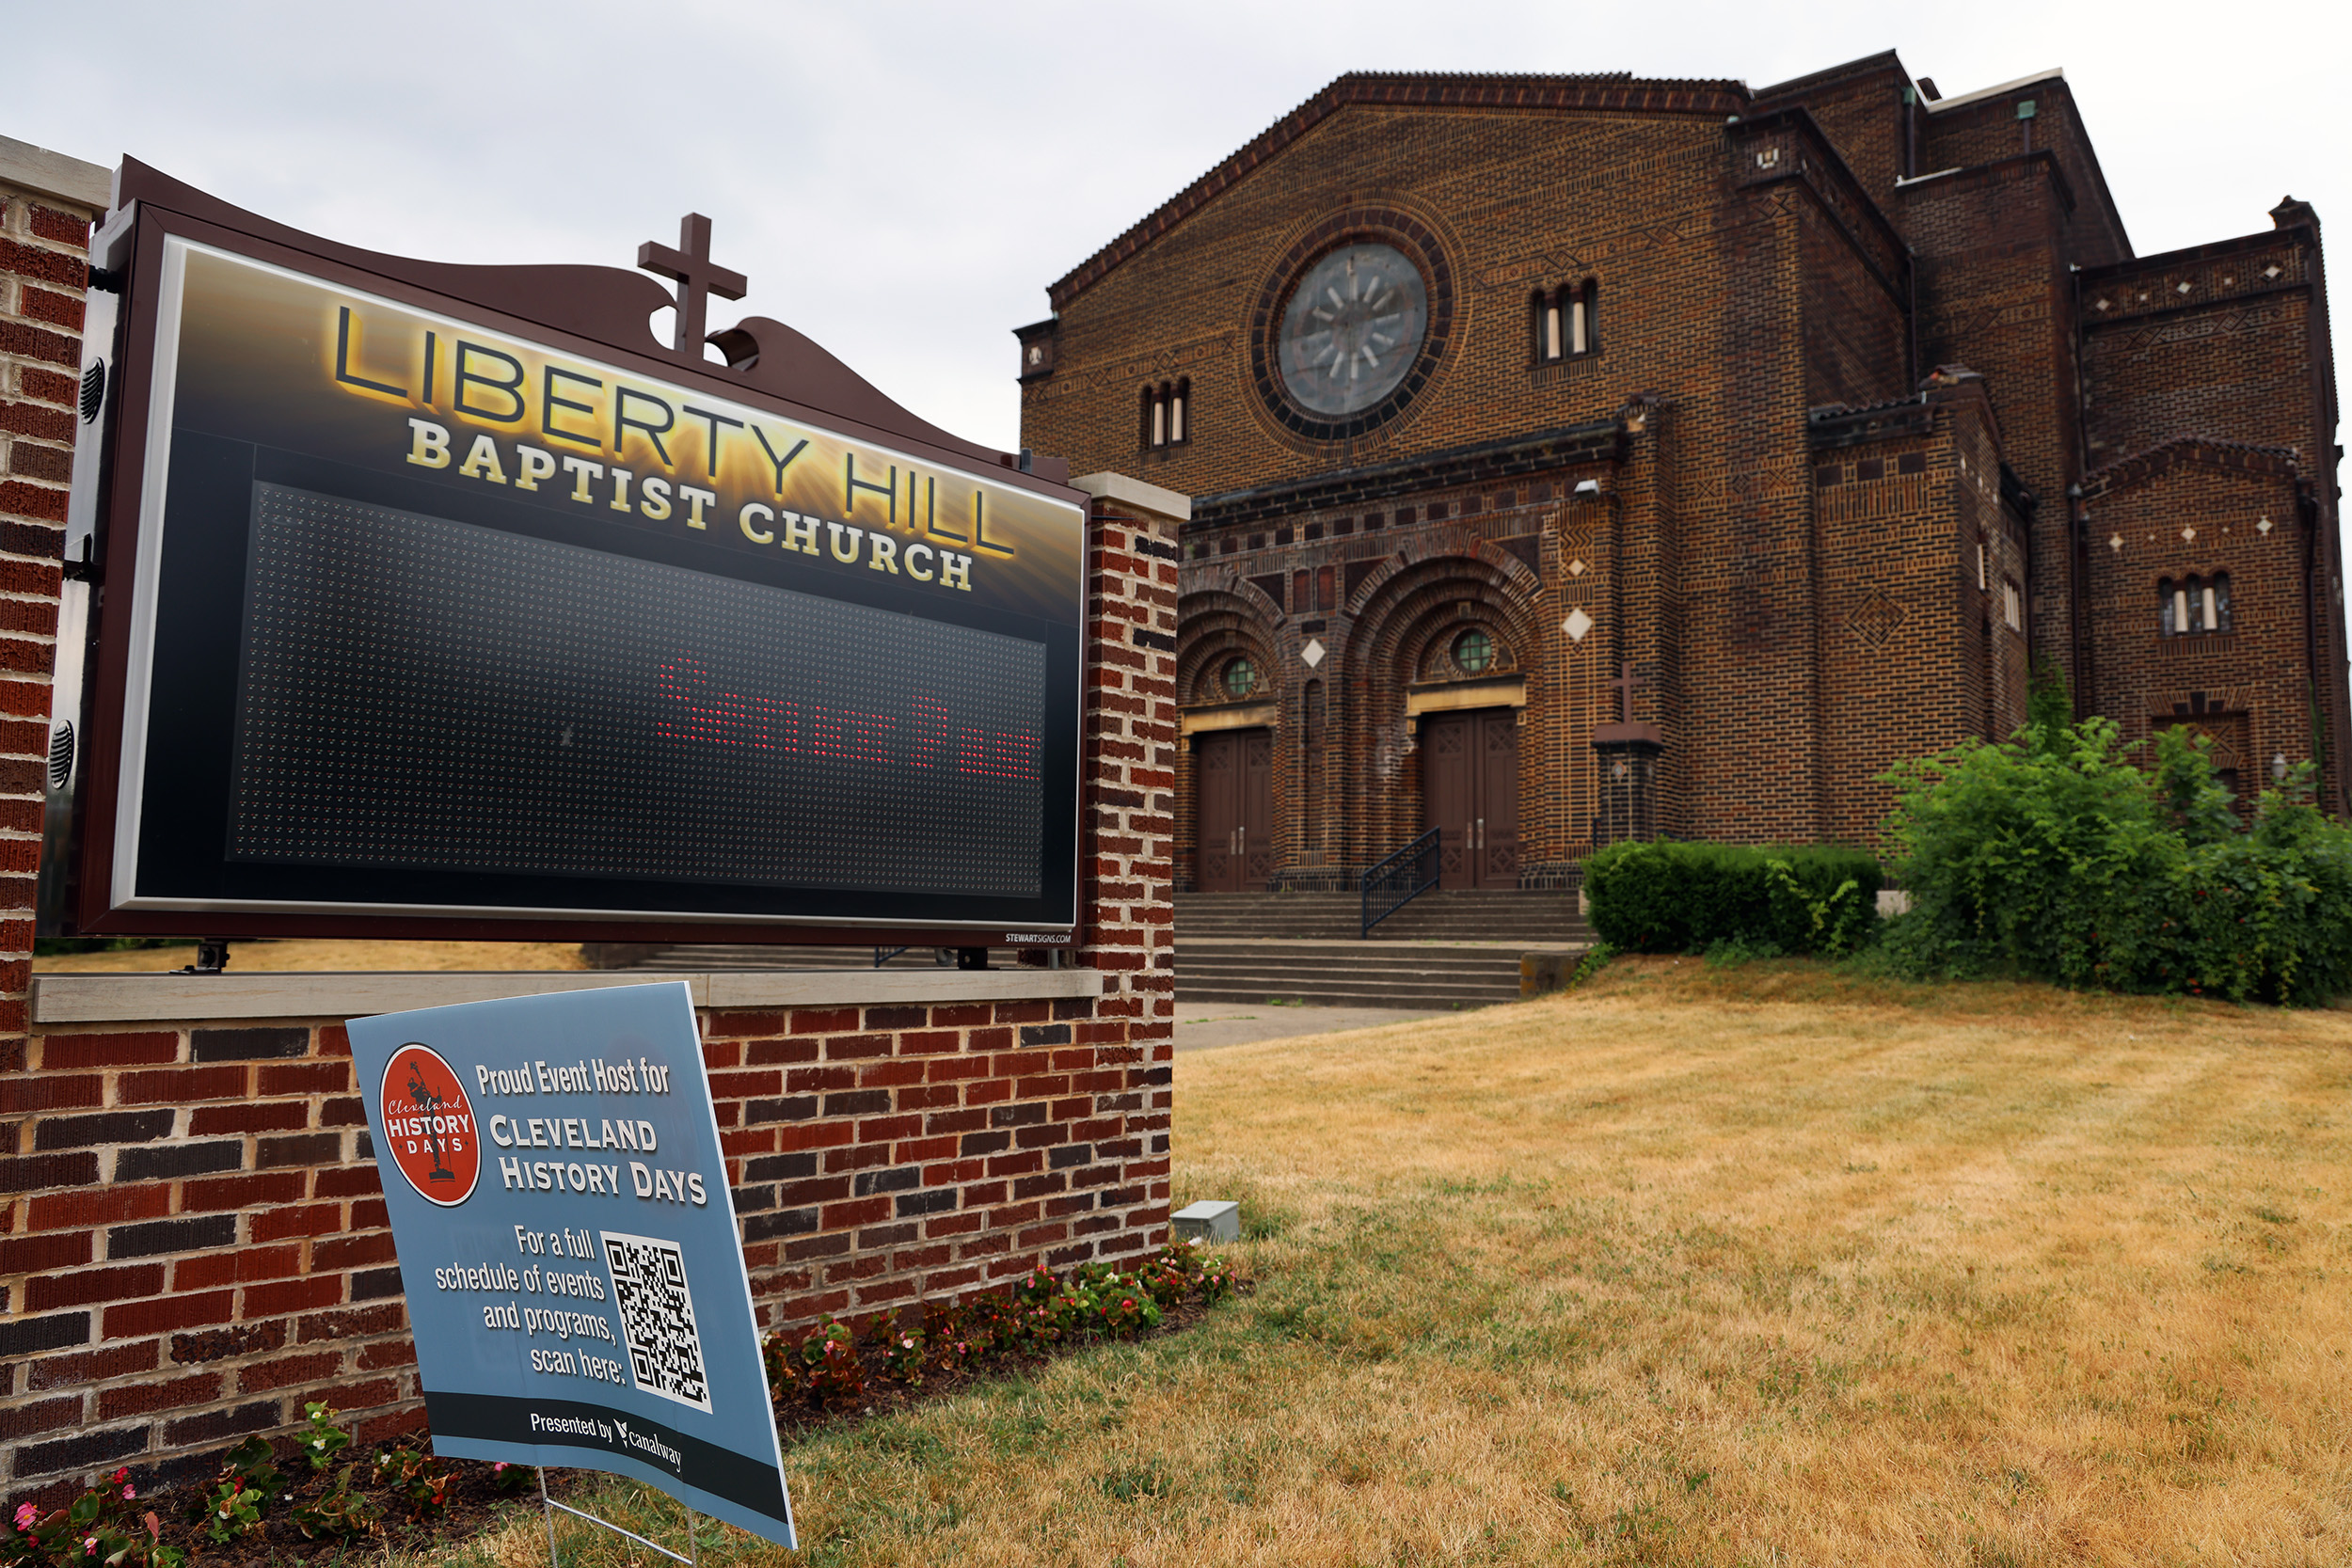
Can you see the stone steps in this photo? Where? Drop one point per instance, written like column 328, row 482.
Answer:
column 1442, row 951
column 1427, row 976
column 1531, row 915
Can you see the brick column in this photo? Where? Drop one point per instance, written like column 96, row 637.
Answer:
column 47, row 204
column 1128, row 811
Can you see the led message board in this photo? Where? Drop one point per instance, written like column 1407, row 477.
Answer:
column 417, row 611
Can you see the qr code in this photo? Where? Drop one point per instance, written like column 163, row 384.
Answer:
column 665, row 1350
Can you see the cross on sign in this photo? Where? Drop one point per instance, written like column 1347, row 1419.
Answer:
column 1626, row 684
column 689, row 265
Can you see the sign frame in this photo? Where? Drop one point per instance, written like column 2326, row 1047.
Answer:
column 596, row 313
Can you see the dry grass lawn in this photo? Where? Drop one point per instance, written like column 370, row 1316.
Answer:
column 1697, row 1266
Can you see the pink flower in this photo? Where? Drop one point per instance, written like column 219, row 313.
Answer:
column 127, row 1493
column 25, row 1515
column 89, row 1545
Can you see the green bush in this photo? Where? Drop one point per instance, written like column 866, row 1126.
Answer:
column 2059, row 855
column 1669, row 897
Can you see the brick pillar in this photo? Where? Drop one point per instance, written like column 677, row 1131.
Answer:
column 50, row 203
column 1128, row 808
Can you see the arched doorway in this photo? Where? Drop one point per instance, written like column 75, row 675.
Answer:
column 1234, row 774
column 1461, row 636
column 1231, row 714
column 1470, row 790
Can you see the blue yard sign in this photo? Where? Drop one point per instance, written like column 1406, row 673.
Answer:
column 566, row 1238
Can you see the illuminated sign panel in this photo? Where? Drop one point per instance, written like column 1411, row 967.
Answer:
column 424, row 616
column 395, row 665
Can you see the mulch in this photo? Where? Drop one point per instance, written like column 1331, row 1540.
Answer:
column 475, row 1500
column 884, row 1399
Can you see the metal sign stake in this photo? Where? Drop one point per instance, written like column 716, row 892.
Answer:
column 693, row 1536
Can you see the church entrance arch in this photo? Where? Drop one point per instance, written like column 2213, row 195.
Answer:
column 1470, row 790
column 1234, row 770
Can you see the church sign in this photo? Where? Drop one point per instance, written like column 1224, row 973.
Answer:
column 419, row 611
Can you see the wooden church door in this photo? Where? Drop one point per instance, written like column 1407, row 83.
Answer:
column 1236, row 773
column 1469, row 788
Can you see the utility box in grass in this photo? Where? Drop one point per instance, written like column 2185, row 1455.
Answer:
column 1208, row 1221
column 1543, row 971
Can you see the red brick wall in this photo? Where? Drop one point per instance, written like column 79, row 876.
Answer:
column 43, row 270
column 197, row 1242
column 1127, row 853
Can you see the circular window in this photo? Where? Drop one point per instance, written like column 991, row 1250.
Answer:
column 1473, row 651
column 1352, row 329
column 1352, row 321
column 1241, row 678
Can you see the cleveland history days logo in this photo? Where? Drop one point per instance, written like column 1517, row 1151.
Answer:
column 428, row 1125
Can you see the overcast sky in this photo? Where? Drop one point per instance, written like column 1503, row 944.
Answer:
column 902, row 182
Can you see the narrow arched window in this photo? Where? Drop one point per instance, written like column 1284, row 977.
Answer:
column 1545, row 309
column 2218, row 602
column 2193, row 605
column 1150, row 416
column 1180, row 413
column 1584, row 334
column 2172, row 611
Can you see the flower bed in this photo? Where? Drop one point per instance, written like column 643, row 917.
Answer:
column 831, row 1368
column 309, row 1497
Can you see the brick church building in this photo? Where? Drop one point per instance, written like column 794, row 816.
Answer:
column 1581, row 457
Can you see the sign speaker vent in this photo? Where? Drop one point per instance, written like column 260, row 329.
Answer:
column 61, row 757
column 93, row 391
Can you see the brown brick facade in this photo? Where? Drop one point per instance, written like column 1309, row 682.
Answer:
column 1837, row 462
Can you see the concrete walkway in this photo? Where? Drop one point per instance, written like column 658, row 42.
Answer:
column 1204, row 1025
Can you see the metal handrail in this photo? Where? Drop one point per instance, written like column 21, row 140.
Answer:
column 1399, row 879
